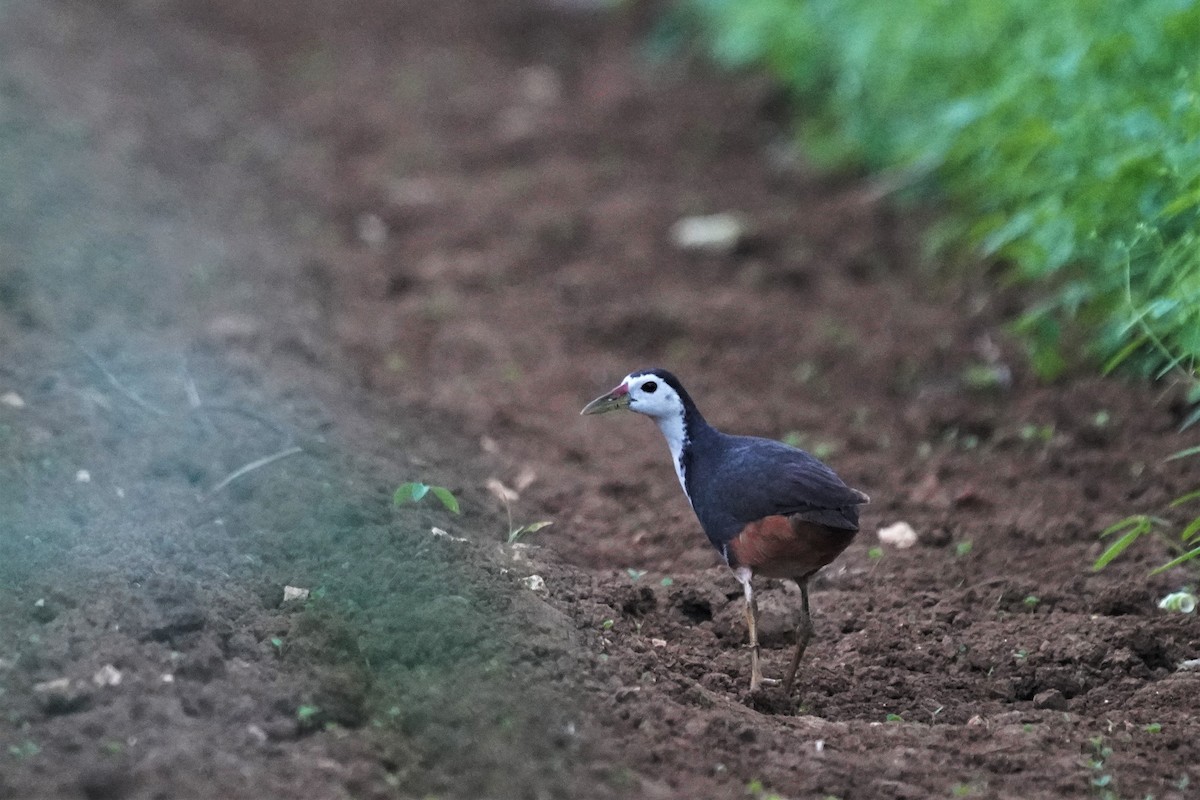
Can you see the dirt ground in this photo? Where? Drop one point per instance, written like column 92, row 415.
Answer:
column 394, row 241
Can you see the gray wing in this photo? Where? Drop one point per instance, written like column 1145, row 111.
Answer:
column 761, row 478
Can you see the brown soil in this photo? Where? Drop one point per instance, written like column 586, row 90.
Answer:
column 413, row 239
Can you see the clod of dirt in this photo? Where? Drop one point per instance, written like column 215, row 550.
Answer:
column 203, row 662
column 1050, row 700
column 1120, row 600
column 638, row 601
column 342, row 697
column 43, row 611
column 177, row 622
column 62, row 696
column 105, row 783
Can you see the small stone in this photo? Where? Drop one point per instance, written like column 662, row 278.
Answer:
column 1050, row 700
column 540, row 85
column 626, row 693
column 975, row 721
column 43, row 612
column 108, row 675
column 899, row 535
column 715, row 233
column 372, row 230
column 535, row 583
column 1190, row 664
column 62, row 696
column 442, row 534
column 83, row 476
column 294, row 593
column 12, row 400
column 658, row 642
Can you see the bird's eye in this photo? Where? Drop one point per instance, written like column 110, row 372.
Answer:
column 649, row 387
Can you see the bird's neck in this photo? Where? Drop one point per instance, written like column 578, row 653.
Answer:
column 681, row 430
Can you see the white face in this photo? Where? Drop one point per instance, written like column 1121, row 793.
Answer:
column 652, row 396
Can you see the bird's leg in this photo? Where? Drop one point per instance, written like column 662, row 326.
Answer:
column 804, row 632
column 756, row 678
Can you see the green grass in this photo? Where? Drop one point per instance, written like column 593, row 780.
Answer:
column 1063, row 134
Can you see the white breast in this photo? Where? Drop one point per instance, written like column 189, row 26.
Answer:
column 673, row 431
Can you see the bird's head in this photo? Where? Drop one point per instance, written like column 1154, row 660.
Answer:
column 653, row 392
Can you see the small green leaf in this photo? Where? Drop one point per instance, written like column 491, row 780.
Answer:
column 964, row 548
column 667, row 581
column 635, row 574
column 306, row 712
column 409, row 493
column 1137, row 521
column 1153, row 727
column 1191, row 531
column 894, row 718
column 1175, row 562
column 1190, row 451
column 1184, row 499
column 1117, row 547
column 447, row 498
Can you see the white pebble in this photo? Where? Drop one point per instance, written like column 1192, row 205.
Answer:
column 12, row 399
column 108, row 675
column 83, row 476
column 900, row 535
column 716, row 233
column 291, row 593
column 535, row 583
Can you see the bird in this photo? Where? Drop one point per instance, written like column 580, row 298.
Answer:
column 768, row 508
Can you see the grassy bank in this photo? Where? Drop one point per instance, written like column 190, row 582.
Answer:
column 1063, row 135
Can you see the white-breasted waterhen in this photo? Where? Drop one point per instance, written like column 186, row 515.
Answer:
column 769, row 509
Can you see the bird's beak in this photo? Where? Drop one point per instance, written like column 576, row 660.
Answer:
column 617, row 398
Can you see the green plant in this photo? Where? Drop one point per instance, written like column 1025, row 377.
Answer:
column 306, row 713
column 758, row 791
column 1066, row 134
column 1102, row 779
column 415, row 491
column 1185, row 545
column 963, row 548
column 507, row 496
column 516, row 533
column 26, row 749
